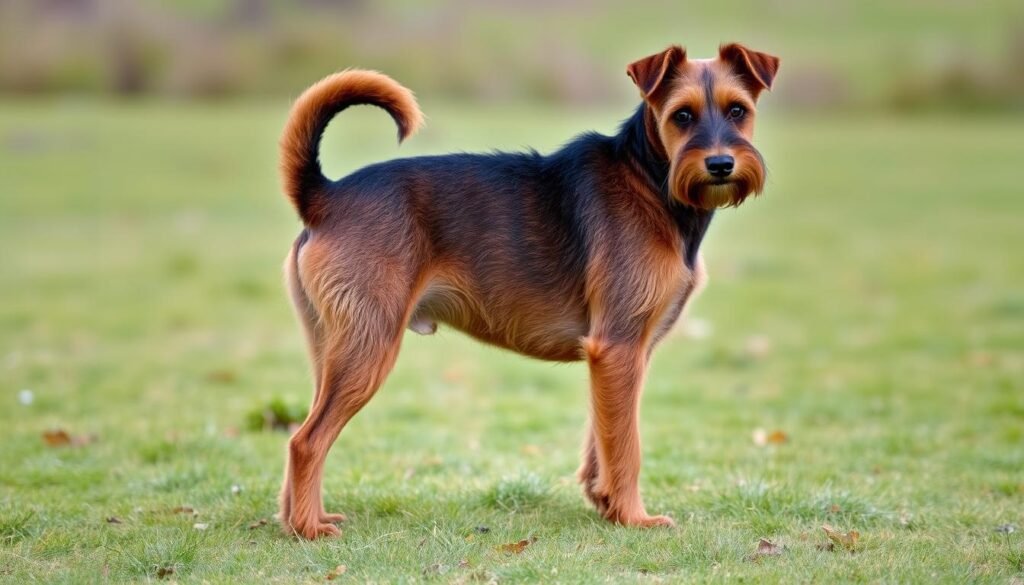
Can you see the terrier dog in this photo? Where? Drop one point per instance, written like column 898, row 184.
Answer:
column 588, row 253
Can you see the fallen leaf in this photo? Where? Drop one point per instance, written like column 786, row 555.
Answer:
column 835, row 509
column 765, row 548
column 221, row 376
column 827, row 546
column 337, row 572
column 517, row 547
column 847, row 540
column 258, row 523
column 163, row 572
column 57, row 437
column 61, row 438
column 980, row 359
column 113, row 520
column 184, row 510
column 763, row 438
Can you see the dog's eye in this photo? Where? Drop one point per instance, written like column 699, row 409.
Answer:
column 736, row 112
column 683, row 117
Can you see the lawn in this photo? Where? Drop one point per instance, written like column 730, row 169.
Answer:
column 869, row 308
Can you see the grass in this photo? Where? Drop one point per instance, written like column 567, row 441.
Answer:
column 869, row 306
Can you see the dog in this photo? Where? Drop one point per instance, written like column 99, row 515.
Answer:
column 588, row 253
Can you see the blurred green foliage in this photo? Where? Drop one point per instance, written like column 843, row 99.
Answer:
column 904, row 55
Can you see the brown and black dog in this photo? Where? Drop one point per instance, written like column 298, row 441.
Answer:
column 588, row 253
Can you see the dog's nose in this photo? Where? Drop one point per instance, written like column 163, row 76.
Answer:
column 719, row 166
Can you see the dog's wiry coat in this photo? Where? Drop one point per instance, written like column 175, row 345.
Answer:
column 590, row 252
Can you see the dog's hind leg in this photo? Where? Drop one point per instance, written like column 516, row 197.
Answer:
column 357, row 338
column 309, row 319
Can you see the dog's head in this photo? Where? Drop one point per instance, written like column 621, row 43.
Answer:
column 701, row 114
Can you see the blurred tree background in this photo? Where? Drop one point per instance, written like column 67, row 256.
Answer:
column 909, row 55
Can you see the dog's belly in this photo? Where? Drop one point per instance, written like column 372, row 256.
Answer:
column 536, row 327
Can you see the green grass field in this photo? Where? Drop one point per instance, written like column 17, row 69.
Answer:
column 870, row 306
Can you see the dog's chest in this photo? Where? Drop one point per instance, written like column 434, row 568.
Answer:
column 684, row 288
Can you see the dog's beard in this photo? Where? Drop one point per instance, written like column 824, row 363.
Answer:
column 693, row 186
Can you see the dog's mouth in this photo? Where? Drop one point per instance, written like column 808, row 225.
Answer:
column 693, row 185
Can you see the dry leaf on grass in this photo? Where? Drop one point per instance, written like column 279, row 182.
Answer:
column 763, row 438
column 163, row 572
column 113, row 520
column 847, row 540
column 336, row 572
column 61, row 438
column 258, row 523
column 184, row 510
column 765, row 548
column 222, row 376
column 517, row 547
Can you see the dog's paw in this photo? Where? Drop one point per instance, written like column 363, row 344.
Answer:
column 649, row 522
column 312, row 530
column 332, row 518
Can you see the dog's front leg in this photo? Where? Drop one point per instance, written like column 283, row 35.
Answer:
column 617, row 373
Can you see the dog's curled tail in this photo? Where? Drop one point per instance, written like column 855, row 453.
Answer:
column 300, row 143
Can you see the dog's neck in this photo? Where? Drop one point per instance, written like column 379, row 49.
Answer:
column 638, row 141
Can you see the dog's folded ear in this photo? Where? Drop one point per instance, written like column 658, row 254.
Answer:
column 756, row 70
column 650, row 73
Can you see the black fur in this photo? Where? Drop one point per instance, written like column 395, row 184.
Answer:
column 545, row 206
